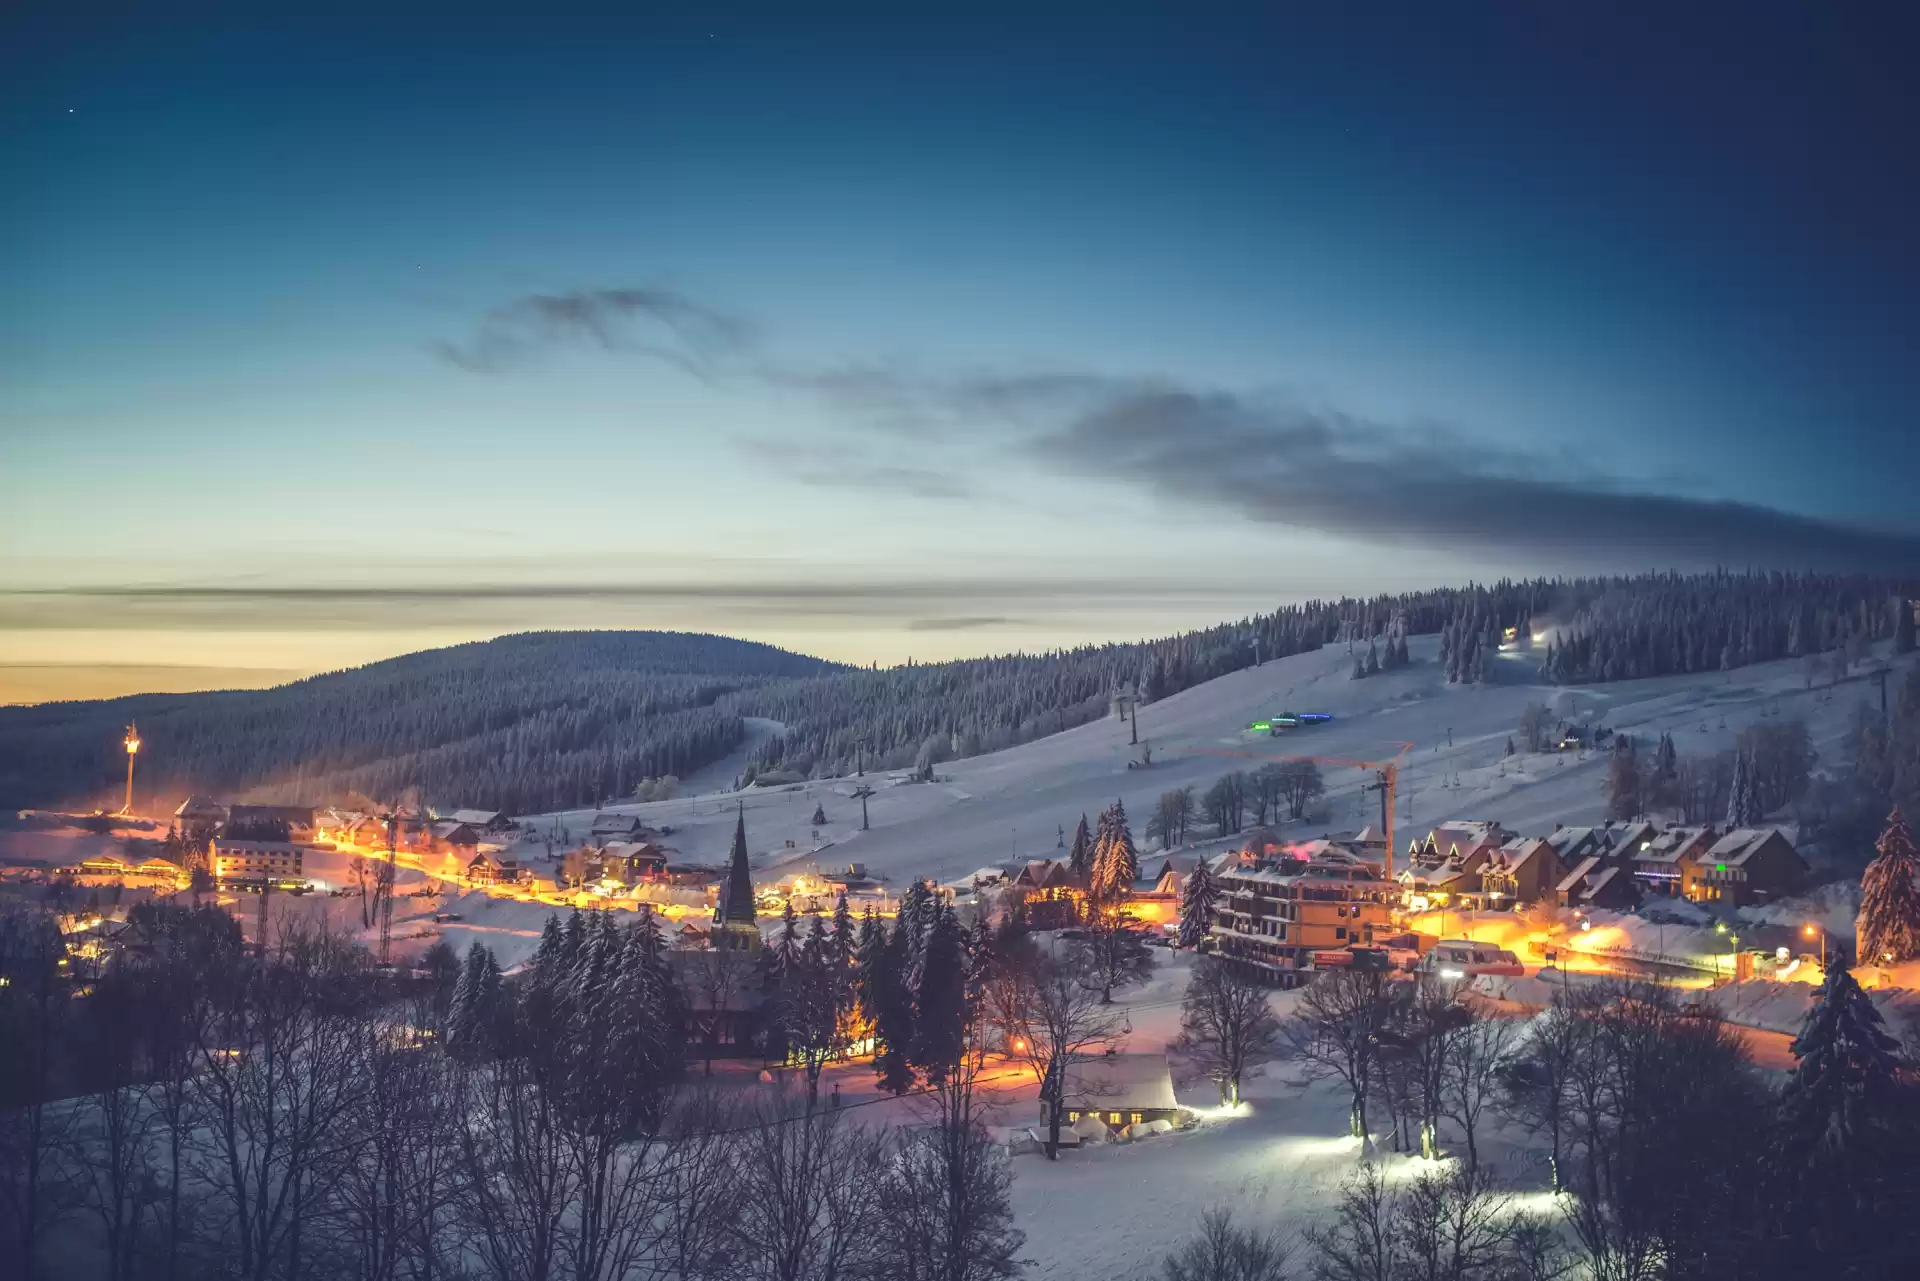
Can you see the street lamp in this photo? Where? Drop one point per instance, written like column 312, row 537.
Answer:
column 132, row 744
column 1810, row 931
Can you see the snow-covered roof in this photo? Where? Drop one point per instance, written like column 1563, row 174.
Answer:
column 477, row 817
column 1599, row 880
column 1570, row 842
column 1120, row 1083
column 1578, row 874
column 1515, row 853
column 1737, row 846
column 197, row 806
column 1627, row 838
column 1675, row 844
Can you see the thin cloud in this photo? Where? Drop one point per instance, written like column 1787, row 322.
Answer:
column 1331, row 473
column 652, row 321
column 1265, row 459
column 960, row 624
column 814, row 599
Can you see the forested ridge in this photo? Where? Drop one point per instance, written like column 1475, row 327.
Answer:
column 550, row 720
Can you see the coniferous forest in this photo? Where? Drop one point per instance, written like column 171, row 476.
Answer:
column 557, row 719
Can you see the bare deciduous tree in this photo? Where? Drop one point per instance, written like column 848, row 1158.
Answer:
column 1222, row 1252
column 1064, row 1019
column 1335, row 1032
column 807, row 1205
column 1227, row 1023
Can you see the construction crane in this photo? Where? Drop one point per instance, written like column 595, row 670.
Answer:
column 1386, row 779
column 386, row 891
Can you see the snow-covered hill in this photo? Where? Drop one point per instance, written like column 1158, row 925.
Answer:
column 1013, row 803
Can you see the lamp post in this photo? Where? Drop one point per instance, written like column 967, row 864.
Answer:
column 1810, row 931
column 132, row 743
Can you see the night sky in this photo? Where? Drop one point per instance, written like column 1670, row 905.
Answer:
column 323, row 340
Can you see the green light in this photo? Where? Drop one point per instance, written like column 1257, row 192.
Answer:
column 1719, row 867
column 1262, row 725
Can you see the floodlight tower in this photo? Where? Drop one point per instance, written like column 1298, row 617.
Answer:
column 132, row 743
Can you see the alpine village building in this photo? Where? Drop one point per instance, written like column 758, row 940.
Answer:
column 1272, row 914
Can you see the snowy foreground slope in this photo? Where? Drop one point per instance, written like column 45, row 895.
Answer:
column 1011, row 804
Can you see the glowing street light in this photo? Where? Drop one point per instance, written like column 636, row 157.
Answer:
column 1810, row 931
column 132, row 743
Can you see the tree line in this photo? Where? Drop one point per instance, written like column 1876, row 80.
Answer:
column 1673, row 1156
column 208, row 1106
column 556, row 720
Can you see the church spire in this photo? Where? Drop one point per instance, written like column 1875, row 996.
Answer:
column 736, row 892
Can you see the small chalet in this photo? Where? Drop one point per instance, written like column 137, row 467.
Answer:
column 1597, row 882
column 490, row 869
column 1121, row 1090
column 1524, row 870
column 1053, row 892
column 1747, row 865
column 628, row 861
column 489, row 822
column 452, row 837
column 1662, row 862
column 618, row 827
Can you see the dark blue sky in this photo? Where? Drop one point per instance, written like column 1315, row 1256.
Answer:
column 1036, row 308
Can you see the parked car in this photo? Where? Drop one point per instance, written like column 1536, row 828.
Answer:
column 1463, row 959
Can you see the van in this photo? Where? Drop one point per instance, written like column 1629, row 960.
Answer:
column 1464, row 958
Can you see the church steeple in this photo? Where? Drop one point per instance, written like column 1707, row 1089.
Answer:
column 736, row 892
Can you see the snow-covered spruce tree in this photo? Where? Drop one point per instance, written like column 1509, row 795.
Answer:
column 1902, row 625
column 1848, row 1071
column 843, row 932
column 1116, row 863
column 463, row 1012
column 1196, row 906
column 1080, row 856
column 819, row 815
column 786, row 942
column 1743, row 810
column 1888, row 927
column 939, row 1005
column 893, row 1012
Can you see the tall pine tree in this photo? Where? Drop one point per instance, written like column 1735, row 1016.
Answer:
column 1743, row 808
column 1196, row 906
column 1080, row 855
column 1888, row 928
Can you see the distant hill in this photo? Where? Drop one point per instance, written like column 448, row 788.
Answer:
column 519, row 723
column 555, row 720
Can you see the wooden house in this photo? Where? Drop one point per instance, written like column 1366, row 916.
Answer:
column 1596, row 881
column 1662, row 862
column 1524, row 870
column 1120, row 1090
column 1747, row 865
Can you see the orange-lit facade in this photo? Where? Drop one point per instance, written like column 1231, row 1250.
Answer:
column 1271, row 919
